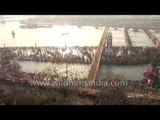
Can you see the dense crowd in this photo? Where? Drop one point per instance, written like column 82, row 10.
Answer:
column 119, row 55
column 55, row 54
column 124, row 55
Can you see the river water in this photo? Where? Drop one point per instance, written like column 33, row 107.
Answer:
column 128, row 72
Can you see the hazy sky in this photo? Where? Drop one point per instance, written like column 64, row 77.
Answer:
column 114, row 16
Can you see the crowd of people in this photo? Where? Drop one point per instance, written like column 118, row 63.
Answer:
column 54, row 54
column 119, row 55
column 125, row 56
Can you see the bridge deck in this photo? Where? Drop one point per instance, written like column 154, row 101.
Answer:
column 127, row 38
column 97, row 57
column 151, row 36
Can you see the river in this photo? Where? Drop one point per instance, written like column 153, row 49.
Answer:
column 129, row 72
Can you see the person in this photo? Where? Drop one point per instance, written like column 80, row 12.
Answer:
column 13, row 34
column 158, row 45
column 149, row 82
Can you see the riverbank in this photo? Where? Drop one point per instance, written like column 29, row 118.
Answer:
column 35, row 89
column 23, row 94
